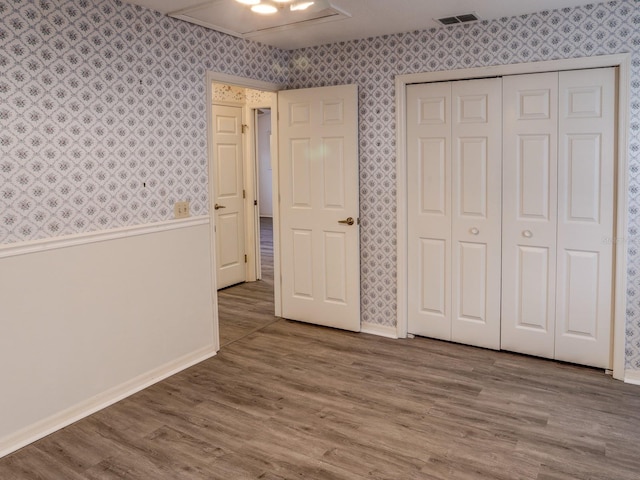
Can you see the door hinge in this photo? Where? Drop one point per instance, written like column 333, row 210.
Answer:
column 245, row 259
column 255, row 202
column 244, row 194
column 244, row 128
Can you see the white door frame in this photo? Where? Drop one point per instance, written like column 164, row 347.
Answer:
column 252, row 169
column 623, row 62
column 217, row 77
column 254, row 161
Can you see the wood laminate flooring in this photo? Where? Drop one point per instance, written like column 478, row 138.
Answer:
column 294, row 401
column 248, row 307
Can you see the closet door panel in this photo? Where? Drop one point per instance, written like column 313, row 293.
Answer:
column 586, row 217
column 529, row 218
column 429, row 209
column 476, row 212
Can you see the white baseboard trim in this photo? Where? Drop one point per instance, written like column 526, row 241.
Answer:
column 380, row 330
column 84, row 409
column 23, row 248
column 632, row 377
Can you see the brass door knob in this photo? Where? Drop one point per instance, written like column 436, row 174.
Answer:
column 218, row 207
column 347, row 221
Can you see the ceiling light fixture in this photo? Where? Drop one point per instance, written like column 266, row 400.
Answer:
column 267, row 7
column 301, row 5
column 264, row 8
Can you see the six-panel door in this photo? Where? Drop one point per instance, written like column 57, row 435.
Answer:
column 229, row 200
column 319, row 206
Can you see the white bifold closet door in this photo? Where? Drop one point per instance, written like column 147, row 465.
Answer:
column 476, row 154
column 454, row 192
column 586, row 185
column 429, row 212
column 558, row 215
column 510, row 216
column 529, row 226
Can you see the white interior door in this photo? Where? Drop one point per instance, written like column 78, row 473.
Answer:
column 585, row 217
column 476, row 169
column 229, row 195
column 429, row 212
column 530, row 144
column 319, row 205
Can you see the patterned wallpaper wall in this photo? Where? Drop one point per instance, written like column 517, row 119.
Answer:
column 373, row 63
column 228, row 93
column 103, row 113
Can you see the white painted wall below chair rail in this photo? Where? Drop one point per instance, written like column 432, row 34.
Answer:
column 88, row 320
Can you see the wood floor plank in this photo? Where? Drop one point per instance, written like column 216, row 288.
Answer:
column 34, row 464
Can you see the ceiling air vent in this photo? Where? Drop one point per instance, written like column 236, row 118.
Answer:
column 463, row 18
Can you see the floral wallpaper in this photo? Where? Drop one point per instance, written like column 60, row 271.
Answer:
column 234, row 94
column 228, row 93
column 103, row 118
column 103, row 113
column 259, row 98
column 372, row 63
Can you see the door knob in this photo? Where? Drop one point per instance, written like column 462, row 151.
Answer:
column 527, row 234
column 348, row 221
column 218, row 207
column 474, row 231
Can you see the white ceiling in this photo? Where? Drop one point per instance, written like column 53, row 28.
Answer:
column 368, row 17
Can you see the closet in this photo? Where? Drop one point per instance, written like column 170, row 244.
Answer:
column 510, row 213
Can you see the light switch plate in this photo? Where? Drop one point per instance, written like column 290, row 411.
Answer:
column 181, row 210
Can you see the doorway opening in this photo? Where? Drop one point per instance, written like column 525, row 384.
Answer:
column 314, row 174
column 264, row 185
column 249, row 306
column 241, row 165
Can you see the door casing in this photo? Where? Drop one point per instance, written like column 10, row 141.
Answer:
column 623, row 63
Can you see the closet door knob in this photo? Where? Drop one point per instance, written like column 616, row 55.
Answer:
column 527, row 234
column 474, row 231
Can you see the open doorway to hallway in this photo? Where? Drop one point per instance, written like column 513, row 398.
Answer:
column 247, row 307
